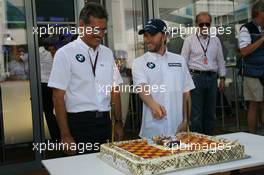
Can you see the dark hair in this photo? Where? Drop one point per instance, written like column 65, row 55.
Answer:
column 256, row 8
column 203, row 14
column 42, row 41
column 50, row 44
column 92, row 9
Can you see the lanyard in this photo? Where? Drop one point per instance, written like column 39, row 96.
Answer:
column 204, row 49
column 95, row 62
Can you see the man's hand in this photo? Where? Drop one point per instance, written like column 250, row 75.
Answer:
column 158, row 111
column 262, row 37
column 61, row 118
column 222, row 85
column 119, row 131
column 182, row 127
column 68, row 141
column 252, row 47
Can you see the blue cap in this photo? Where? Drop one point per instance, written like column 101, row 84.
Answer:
column 154, row 26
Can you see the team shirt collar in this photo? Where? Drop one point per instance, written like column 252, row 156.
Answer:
column 86, row 47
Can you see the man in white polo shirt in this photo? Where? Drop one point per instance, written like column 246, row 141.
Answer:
column 80, row 70
column 165, row 82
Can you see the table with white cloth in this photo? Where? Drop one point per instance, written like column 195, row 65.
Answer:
column 91, row 164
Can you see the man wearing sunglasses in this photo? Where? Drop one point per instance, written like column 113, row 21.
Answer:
column 204, row 57
column 79, row 71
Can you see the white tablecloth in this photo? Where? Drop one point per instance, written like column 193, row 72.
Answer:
column 91, row 164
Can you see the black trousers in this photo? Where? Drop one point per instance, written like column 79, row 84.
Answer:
column 48, row 111
column 204, row 103
column 89, row 130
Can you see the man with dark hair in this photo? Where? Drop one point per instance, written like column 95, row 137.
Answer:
column 251, row 46
column 204, row 56
column 80, row 74
column 92, row 9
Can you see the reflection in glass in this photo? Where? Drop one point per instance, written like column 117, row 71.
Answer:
column 15, row 105
column 128, row 45
column 120, row 59
column 182, row 14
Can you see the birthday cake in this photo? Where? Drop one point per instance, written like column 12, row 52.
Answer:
column 162, row 154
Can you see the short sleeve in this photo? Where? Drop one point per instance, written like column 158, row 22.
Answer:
column 117, row 79
column 138, row 73
column 185, row 52
column 244, row 38
column 188, row 82
column 61, row 71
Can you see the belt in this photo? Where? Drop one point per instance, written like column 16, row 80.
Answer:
column 202, row 72
column 92, row 114
column 98, row 114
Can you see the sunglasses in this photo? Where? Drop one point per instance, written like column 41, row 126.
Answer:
column 204, row 24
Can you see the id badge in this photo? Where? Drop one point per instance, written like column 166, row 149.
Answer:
column 205, row 60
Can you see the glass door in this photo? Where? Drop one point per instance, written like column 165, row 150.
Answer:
column 19, row 106
column 178, row 13
column 125, row 21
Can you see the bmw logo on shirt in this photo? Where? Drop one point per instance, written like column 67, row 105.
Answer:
column 80, row 58
column 151, row 65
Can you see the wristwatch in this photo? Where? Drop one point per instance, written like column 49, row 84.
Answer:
column 223, row 78
column 119, row 121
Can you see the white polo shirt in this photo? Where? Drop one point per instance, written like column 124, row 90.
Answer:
column 169, row 71
column 194, row 54
column 72, row 71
